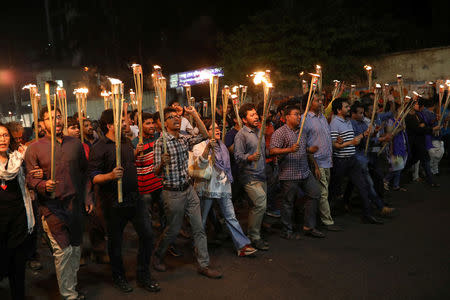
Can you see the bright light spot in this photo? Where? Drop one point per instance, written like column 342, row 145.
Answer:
column 378, row 86
column 114, row 80
column 367, row 67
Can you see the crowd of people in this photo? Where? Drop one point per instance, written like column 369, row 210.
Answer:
column 192, row 178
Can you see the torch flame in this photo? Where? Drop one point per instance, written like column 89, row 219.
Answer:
column 104, row 94
column 399, row 76
column 367, row 67
column 378, row 86
column 80, row 91
column 353, row 85
column 114, row 80
column 407, row 97
column 156, row 67
column 416, row 94
column 314, row 75
column 29, row 86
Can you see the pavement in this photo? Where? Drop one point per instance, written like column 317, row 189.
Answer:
column 406, row 258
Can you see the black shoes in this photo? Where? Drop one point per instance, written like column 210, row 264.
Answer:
column 333, row 227
column 158, row 264
column 371, row 220
column 260, row 245
column 122, row 284
column 150, row 284
column 313, row 233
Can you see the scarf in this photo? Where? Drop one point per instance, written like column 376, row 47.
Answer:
column 222, row 159
column 9, row 171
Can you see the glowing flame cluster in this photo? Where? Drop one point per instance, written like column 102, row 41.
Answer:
column 29, row 86
column 378, row 86
column 80, row 91
column 114, row 80
column 105, row 94
column 368, row 68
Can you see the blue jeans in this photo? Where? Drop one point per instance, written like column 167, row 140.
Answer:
column 395, row 177
column 226, row 206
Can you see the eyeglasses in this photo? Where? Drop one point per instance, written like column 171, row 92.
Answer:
column 173, row 117
column 5, row 135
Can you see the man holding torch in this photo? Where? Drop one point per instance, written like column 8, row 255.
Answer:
column 61, row 214
column 178, row 193
column 105, row 173
column 253, row 178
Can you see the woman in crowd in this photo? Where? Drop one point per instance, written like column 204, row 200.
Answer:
column 16, row 213
column 217, row 186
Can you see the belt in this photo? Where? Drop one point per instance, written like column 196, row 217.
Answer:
column 177, row 188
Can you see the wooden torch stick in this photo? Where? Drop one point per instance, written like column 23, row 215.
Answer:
column 225, row 97
column 267, row 86
column 105, row 96
column 52, row 119
column 385, row 95
column 213, row 89
column 187, row 88
column 372, row 119
column 441, row 97
column 397, row 123
column 369, row 75
column 235, row 100
column 80, row 95
column 400, row 89
column 34, row 107
column 117, row 115
column 445, row 105
column 314, row 79
column 139, row 83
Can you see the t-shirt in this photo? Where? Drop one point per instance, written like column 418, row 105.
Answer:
column 344, row 129
column 147, row 180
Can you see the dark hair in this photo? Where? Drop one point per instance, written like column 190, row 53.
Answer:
column 208, row 123
column 172, row 103
column 71, row 121
column 290, row 108
column 421, row 101
column 304, row 101
column 44, row 110
column 133, row 113
column 13, row 145
column 337, row 104
column 246, row 107
column 156, row 117
column 146, row 116
column 355, row 106
column 106, row 118
column 169, row 110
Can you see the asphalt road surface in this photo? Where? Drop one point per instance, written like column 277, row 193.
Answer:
column 406, row 258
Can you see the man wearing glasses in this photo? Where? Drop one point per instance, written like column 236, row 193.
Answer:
column 61, row 215
column 178, row 193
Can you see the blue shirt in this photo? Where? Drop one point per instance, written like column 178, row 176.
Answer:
column 317, row 132
column 344, row 129
column 245, row 144
column 293, row 166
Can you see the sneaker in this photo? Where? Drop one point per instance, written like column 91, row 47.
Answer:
column 175, row 252
column 210, row 273
column 247, row 250
column 260, row 245
column 122, row 284
column 274, row 213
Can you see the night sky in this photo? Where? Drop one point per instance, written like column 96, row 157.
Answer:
column 179, row 35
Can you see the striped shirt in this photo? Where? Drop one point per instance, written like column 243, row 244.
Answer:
column 147, row 181
column 344, row 129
